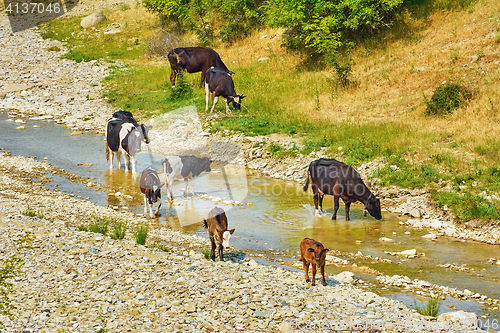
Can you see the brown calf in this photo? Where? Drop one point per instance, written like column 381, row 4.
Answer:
column 216, row 223
column 312, row 252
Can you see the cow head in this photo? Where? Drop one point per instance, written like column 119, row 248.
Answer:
column 236, row 100
column 144, row 131
column 206, row 164
column 155, row 193
column 318, row 251
column 223, row 237
column 373, row 207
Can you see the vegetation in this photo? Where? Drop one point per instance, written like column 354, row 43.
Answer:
column 362, row 87
column 97, row 225
column 164, row 248
column 141, row 233
column 207, row 254
column 119, row 230
column 9, row 268
column 431, row 308
column 34, row 213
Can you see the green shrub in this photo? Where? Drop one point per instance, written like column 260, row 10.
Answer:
column 141, row 233
column 119, row 229
column 431, row 308
column 34, row 213
column 96, row 225
column 446, row 99
column 155, row 245
column 207, row 254
column 182, row 89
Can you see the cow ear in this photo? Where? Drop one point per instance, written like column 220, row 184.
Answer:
column 161, row 185
column 326, row 250
column 310, row 250
column 242, row 96
column 231, row 231
column 150, row 127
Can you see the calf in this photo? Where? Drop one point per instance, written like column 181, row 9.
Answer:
column 186, row 167
column 194, row 59
column 335, row 178
column 151, row 188
column 312, row 252
column 216, row 223
column 124, row 136
column 220, row 83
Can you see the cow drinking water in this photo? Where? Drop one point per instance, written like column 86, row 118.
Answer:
column 194, row 59
column 314, row 253
column 124, row 136
column 335, row 178
column 186, row 167
column 151, row 188
column 216, row 223
column 220, row 84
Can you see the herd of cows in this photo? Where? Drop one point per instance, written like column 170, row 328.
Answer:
column 124, row 136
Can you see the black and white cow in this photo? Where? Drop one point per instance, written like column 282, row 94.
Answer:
column 124, row 136
column 151, row 188
column 186, row 167
column 220, row 84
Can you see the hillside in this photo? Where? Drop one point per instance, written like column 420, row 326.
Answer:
column 379, row 113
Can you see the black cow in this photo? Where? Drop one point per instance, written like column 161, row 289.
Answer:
column 186, row 167
column 335, row 178
column 220, row 83
column 193, row 60
column 124, row 136
column 151, row 188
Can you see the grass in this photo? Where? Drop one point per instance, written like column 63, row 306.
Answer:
column 431, row 308
column 97, row 225
column 141, row 233
column 34, row 213
column 381, row 114
column 207, row 254
column 119, row 230
column 155, row 245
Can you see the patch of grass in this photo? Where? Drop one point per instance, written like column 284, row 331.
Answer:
column 467, row 206
column 34, row 213
column 119, row 230
column 207, row 254
column 9, row 268
column 124, row 6
column 97, row 225
column 141, row 233
column 431, row 308
column 155, row 245
column 54, row 48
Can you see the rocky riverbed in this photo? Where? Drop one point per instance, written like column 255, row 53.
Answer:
column 85, row 282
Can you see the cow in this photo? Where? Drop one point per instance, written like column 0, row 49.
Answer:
column 335, row 178
column 313, row 252
column 193, row 60
column 216, row 223
column 220, row 84
column 151, row 188
column 124, row 136
column 186, row 167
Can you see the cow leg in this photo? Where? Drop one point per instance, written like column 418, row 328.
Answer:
column 207, row 97
column 186, row 183
column 119, row 159
column 227, row 106
column 151, row 215
column 215, row 100
column 335, row 206
column 172, row 76
column 305, row 265
column 213, row 248
column 314, row 274
column 110, row 152
column 321, row 196
column 221, row 252
column 134, row 163
column 323, row 274
column 347, row 204
column 145, row 204
column 126, row 159
column 316, row 200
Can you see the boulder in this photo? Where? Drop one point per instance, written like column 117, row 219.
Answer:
column 458, row 318
column 344, row 277
column 411, row 252
column 92, row 20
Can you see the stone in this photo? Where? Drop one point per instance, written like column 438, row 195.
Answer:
column 411, row 252
column 262, row 60
column 8, row 88
column 458, row 317
column 92, row 20
column 431, row 236
column 344, row 277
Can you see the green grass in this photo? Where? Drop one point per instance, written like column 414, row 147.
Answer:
column 467, row 206
column 155, row 245
column 207, row 254
column 141, row 233
column 34, row 213
column 97, row 225
column 119, row 230
column 430, row 309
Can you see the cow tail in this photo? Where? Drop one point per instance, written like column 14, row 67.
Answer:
column 107, row 152
column 306, row 186
column 205, row 224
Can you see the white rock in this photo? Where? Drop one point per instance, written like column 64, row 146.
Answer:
column 92, row 20
column 344, row 277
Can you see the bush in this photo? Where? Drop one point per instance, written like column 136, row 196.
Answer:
column 141, row 233
column 207, row 254
column 431, row 309
column 182, row 89
column 32, row 213
column 99, row 226
column 119, row 230
column 446, row 99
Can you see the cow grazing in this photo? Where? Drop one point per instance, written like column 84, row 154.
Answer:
column 151, row 188
column 186, row 167
column 312, row 252
column 194, row 59
column 124, row 136
column 335, row 178
column 216, row 223
column 220, row 84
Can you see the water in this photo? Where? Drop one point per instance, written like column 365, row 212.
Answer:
column 279, row 217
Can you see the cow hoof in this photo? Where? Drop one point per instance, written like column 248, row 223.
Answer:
column 313, row 284
column 325, row 284
column 318, row 214
column 307, row 280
